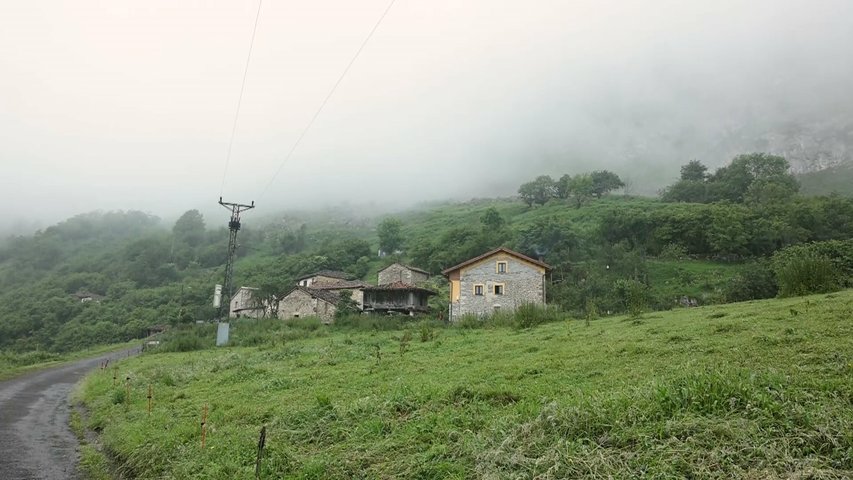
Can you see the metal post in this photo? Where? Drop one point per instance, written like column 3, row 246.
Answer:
column 233, row 228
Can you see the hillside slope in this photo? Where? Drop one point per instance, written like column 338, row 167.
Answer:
column 837, row 179
column 753, row 390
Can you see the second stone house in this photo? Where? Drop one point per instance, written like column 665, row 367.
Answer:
column 399, row 273
column 501, row 279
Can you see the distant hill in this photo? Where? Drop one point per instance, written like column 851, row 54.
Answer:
column 837, row 179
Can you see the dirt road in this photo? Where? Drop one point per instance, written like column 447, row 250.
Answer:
column 35, row 440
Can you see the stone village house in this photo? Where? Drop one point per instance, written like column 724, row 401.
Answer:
column 309, row 302
column 397, row 272
column 318, row 295
column 243, row 304
column 497, row 280
column 323, row 277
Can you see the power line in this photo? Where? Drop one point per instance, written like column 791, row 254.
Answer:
column 326, row 100
column 240, row 99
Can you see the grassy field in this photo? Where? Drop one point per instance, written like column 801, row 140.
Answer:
column 14, row 364
column 753, row 390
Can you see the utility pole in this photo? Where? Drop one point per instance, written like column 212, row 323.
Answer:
column 233, row 227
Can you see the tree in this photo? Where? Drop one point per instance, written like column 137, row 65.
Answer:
column 581, row 189
column 548, row 236
column 538, row 191
column 694, row 171
column 390, row 233
column 691, row 191
column 562, row 187
column 189, row 228
column 492, row 220
column 604, row 181
column 735, row 179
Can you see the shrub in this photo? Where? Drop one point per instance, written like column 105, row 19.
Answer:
column 673, row 251
column 367, row 322
column 634, row 295
column 813, row 268
column 754, row 282
column 187, row 341
column 530, row 315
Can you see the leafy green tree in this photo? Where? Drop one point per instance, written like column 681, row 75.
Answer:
column 604, row 181
column 539, row 191
column 694, row 171
column 492, row 220
column 581, row 189
column 345, row 253
column 360, row 268
column 562, row 188
column 390, row 233
column 692, row 191
column 189, row 228
column 735, row 179
column 548, row 236
column 346, row 305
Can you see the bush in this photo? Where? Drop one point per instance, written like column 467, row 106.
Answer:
column 814, row 268
column 366, row 322
column 634, row 295
column 754, row 282
column 806, row 274
column 530, row 315
column 525, row 316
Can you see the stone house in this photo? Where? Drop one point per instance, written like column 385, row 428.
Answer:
column 322, row 277
column 396, row 297
column 243, row 304
column 354, row 287
column 397, row 272
column 309, row 302
column 497, row 280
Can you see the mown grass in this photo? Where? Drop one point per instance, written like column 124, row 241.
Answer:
column 753, row 390
column 13, row 364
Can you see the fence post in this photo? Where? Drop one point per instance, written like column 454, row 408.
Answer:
column 115, row 376
column 127, row 391
column 203, row 425
column 150, row 397
column 261, row 443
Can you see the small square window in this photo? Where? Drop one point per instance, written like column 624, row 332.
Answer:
column 499, row 289
column 478, row 289
column 501, row 267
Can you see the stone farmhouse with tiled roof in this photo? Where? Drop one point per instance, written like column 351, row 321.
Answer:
column 500, row 279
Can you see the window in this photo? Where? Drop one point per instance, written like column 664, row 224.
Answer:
column 478, row 290
column 499, row 289
column 501, row 268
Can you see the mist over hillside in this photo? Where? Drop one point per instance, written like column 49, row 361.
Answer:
column 446, row 100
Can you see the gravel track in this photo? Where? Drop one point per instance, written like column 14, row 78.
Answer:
column 35, row 439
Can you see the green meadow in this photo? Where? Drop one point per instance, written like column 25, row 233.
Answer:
column 760, row 389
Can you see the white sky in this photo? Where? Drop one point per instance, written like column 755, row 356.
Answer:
column 118, row 104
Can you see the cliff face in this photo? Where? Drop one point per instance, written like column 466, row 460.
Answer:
column 811, row 147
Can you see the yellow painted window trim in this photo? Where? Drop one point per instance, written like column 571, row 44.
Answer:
column 498, row 266
column 503, row 288
column 474, row 289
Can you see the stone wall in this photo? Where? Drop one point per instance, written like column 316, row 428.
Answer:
column 300, row 304
column 400, row 273
column 523, row 283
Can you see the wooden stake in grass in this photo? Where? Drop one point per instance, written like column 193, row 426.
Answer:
column 150, row 397
column 127, row 392
column 261, row 443
column 203, row 425
column 115, row 376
